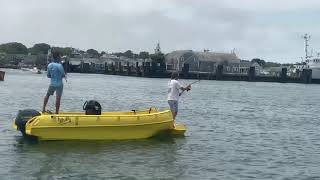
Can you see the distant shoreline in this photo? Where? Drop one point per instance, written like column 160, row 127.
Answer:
column 149, row 71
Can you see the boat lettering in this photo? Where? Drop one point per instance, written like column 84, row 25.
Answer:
column 64, row 120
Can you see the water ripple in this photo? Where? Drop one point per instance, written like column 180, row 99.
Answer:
column 236, row 130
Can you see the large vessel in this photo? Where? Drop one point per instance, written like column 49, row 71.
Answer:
column 311, row 62
column 33, row 70
column 314, row 65
column 36, row 70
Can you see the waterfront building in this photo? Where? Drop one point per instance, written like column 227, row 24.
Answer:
column 273, row 71
column 199, row 61
column 207, row 61
column 99, row 64
column 242, row 67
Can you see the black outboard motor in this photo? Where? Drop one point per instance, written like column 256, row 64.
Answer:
column 23, row 117
column 92, row 107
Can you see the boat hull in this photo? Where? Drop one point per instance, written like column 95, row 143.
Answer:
column 108, row 126
column 315, row 73
column 98, row 132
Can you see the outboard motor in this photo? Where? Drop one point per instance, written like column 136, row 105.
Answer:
column 23, row 117
column 92, row 107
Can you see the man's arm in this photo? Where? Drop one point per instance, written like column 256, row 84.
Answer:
column 183, row 89
column 62, row 71
column 48, row 72
column 179, row 86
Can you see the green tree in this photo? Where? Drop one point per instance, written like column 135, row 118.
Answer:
column 272, row 64
column 67, row 51
column 13, row 48
column 144, row 55
column 128, row 54
column 157, row 58
column 259, row 61
column 40, row 48
column 63, row 51
column 118, row 54
column 102, row 53
column 93, row 52
column 2, row 58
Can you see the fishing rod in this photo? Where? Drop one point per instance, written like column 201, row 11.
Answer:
column 189, row 85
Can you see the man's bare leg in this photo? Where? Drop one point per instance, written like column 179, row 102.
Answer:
column 58, row 100
column 45, row 102
column 174, row 114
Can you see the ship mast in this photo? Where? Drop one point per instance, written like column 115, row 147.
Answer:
column 306, row 38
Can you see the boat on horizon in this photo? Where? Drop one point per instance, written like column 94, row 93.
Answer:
column 310, row 62
column 36, row 70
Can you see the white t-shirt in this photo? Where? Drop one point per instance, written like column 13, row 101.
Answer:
column 173, row 89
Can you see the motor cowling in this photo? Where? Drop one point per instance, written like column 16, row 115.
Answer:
column 92, row 107
column 23, row 117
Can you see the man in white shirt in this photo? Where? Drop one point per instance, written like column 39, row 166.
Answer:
column 174, row 87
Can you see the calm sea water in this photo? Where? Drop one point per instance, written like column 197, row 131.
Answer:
column 236, row 130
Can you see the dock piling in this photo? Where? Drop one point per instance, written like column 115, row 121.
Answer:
column 219, row 72
column 283, row 77
column 185, row 71
column 128, row 69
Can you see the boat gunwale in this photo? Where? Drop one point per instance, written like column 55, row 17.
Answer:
column 116, row 115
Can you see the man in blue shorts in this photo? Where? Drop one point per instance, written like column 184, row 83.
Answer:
column 56, row 73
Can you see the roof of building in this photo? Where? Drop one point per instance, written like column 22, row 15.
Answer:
column 178, row 54
column 203, row 56
column 217, row 57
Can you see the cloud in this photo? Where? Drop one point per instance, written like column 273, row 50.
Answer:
column 272, row 5
column 265, row 29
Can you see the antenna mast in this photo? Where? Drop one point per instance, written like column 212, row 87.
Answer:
column 306, row 38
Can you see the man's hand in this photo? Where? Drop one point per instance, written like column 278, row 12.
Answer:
column 188, row 88
column 65, row 78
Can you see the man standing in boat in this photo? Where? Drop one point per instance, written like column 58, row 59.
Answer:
column 174, row 87
column 56, row 74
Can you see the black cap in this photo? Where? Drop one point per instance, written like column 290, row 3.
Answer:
column 175, row 75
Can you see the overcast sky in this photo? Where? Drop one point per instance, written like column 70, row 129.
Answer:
column 270, row 29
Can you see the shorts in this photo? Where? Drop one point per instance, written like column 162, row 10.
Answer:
column 52, row 89
column 173, row 105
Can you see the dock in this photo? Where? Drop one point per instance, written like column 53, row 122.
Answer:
column 159, row 70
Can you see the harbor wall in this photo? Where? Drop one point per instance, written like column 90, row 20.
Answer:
column 158, row 70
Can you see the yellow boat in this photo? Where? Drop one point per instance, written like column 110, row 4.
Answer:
column 107, row 126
